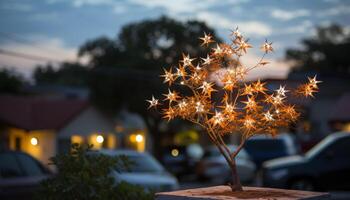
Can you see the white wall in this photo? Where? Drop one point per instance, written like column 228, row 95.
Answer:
column 88, row 122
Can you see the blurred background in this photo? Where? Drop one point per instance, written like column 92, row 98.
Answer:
column 79, row 71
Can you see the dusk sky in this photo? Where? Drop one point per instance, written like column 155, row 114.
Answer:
column 54, row 29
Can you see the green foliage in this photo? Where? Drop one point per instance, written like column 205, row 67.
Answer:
column 325, row 53
column 85, row 175
column 10, row 83
column 125, row 191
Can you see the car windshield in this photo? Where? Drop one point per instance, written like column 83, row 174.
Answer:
column 317, row 148
column 257, row 145
column 143, row 163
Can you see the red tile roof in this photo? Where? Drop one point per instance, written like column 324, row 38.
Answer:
column 35, row 113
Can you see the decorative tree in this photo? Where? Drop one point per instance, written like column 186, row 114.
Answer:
column 236, row 107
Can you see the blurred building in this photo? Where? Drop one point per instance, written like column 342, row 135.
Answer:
column 340, row 114
column 44, row 126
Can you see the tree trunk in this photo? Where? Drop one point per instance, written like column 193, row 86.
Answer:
column 235, row 182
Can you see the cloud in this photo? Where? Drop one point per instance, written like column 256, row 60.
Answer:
column 331, row 1
column 44, row 47
column 286, row 15
column 275, row 69
column 184, row 6
column 79, row 3
column 333, row 11
column 250, row 28
column 305, row 26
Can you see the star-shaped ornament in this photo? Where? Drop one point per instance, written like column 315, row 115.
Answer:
column 206, row 39
column 207, row 88
column 243, row 46
column 186, row 60
column 153, row 102
column 268, row 116
column 282, row 91
column 267, row 47
column 168, row 76
column 171, row 96
column 207, row 60
column 313, row 82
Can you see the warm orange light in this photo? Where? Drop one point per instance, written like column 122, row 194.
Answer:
column 175, row 152
column 99, row 139
column 139, row 138
column 34, row 141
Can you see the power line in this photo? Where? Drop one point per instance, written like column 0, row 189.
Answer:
column 15, row 38
column 27, row 56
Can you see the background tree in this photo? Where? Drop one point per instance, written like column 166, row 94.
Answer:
column 70, row 74
column 133, row 62
column 147, row 45
column 10, row 82
column 326, row 53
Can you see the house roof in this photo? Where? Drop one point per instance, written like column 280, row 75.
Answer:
column 37, row 113
column 341, row 110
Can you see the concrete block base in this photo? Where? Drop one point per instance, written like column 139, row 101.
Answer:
column 224, row 192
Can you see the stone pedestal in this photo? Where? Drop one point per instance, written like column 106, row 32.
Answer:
column 224, row 192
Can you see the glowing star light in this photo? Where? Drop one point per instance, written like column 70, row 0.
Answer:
column 248, row 122
column 207, row 88
column 180, row 72
column 250, row 103
column 153, row 102
column 282, row 91
column 268, row 116
column 168, row 76
column 199, row 107
column 206, row 60
column 243, row 46
column 217, row 119
column 206, row 39
column 238, row 106
column 267, row 47
column 248, row 90
column 259, row 87
column 313, row 82
column 236, row 33
column 187, row 61
column 217, row 50
column 171, row 96
column 182, row 105
column 169, row 113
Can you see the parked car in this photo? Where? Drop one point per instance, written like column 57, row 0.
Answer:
column 144, row 171
column 324, row 167
column 263, row 148
column 20, row 175
column 182, row 160
column 214, row 167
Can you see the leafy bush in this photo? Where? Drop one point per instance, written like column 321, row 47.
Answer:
column 84, row 175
